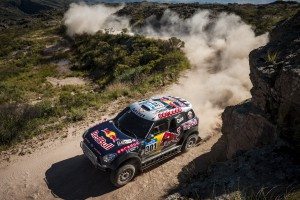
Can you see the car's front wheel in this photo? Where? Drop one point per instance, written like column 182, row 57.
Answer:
column 123, row 174
column 190, row 142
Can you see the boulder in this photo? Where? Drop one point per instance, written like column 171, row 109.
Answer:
column 245, row 126
column 274, row 109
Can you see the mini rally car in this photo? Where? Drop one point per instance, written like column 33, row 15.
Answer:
column 143, row 134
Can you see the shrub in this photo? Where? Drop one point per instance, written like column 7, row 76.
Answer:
column 20, row 121
column 70, row 100
column 129, row 59
column 75, row 115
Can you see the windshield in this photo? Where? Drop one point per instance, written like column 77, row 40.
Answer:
column 133, row 125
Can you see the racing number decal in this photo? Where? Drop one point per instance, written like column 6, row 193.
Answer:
column 161, row 141
column 154, row 145
column 151, row 147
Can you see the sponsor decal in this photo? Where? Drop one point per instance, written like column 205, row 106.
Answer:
column 179, row 119
column 160, row 141
column 137, row 112
column 129, row 148
column 176, row 101
column 181, row 104
column 179, row 129
column 124, row 142
column 109, row 157
column 169, row 102
column 169, row 113
column 187, row 125
column 151, row 146
column 169, row 138
column 110, row 134
column 185, row 102
column 101, row 140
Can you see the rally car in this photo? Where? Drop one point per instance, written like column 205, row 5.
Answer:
column 143, row 134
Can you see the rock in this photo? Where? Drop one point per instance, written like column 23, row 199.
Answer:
column 245, row 126
column 274, row 109
column 264, row 172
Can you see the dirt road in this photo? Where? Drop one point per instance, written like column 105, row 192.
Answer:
column 60, row 170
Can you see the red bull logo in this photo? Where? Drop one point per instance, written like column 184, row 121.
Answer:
column 101, row 140
column 110, row 134
column 168, row 138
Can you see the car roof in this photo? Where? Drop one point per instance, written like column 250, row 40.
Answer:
column 157, row 108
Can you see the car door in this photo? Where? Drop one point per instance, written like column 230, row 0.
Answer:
column 153, row 142
column 175, row 129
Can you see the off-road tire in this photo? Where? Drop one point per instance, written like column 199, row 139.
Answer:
column 190, row 142
column 123, row 174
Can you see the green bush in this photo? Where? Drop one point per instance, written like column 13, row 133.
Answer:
column 19, row 121
column 75, row 115
column 9, row 93
column 69, row 100
column 128, row 59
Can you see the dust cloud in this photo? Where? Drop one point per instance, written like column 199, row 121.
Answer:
column 217, row 47
column 82, row 18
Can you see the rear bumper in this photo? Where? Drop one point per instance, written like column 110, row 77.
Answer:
column 92, row 157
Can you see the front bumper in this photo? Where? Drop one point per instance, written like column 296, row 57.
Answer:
column 92, row 157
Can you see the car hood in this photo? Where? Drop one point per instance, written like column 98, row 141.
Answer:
column 106, row 138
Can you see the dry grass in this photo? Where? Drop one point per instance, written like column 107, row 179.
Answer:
column 272, row 57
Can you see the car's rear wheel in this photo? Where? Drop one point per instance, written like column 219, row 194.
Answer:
column 190, row 142
column 123, row 174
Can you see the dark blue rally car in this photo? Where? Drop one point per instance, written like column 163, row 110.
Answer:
column 143, row 134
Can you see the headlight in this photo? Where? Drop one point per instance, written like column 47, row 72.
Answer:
column 109, row 157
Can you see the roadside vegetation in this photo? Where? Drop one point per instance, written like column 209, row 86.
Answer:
column 133, row 64
column 113, row 65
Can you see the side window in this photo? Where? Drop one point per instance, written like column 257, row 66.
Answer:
column 160, row 127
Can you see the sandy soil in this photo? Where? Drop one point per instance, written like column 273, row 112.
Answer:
column 63, row 67
column 60, row 170
column 66, row 81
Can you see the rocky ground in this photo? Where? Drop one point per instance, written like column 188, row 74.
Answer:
column 263, row 173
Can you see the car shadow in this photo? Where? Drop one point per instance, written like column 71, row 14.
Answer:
column 77, row 178
column 198, row 166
